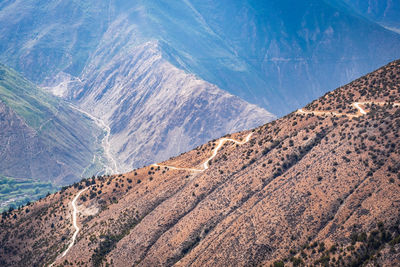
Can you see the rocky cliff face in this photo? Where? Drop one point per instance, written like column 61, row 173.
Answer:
column 154, row 109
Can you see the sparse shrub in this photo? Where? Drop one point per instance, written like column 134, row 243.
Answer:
column 296, row 261
column 279, row 264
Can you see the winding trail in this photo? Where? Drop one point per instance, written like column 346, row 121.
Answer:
column 205, row 167
column 206, row 163
column 105, row 142
column 357, row 105
column 74, row 223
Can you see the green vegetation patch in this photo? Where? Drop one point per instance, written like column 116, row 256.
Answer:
column 29, row 102
column 16, row 192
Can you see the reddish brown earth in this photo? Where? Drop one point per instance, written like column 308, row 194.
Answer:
column 307, row 189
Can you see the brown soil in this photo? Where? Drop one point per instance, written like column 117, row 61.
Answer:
column 306, row 189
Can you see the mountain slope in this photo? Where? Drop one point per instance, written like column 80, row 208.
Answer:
column 114, row 59
column 265, row 52
column 156, row 110
column 39, row 133
column 104, row 65
column 262, row 52
column 318, row 186
column 384, row 12
column 46, row 37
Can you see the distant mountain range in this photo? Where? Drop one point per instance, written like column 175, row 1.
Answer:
column 276, row 54
column 317, row 187
column 162, row 77
column 125, row 82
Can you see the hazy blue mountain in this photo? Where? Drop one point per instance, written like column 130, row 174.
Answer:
column 277, row 54
column 41, row 38
column 102, row 57
column 116, row 59
column 384, row 12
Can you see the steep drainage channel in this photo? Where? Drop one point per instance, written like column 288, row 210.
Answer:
column 112, row 167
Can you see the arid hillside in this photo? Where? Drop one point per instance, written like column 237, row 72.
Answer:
column 319, row 186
